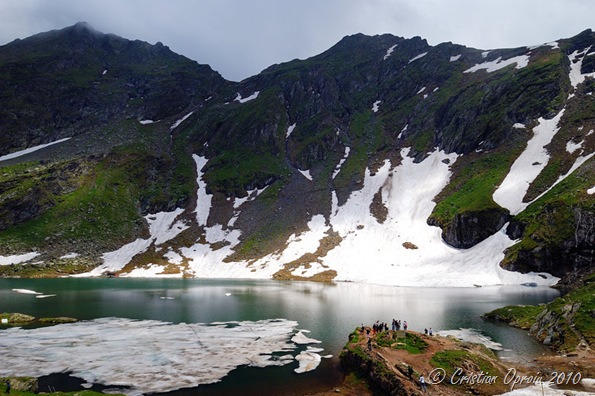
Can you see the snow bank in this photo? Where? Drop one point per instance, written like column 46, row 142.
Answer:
column 181, row 120
column 152, row 271
column 576, row 62
column 69, row 256
column 375, row 106
column 203, row 199
column 527, row 166
column 161, row 228
column 158, row 357
column 249, row 98
column 518, row 125
column 407, row 192
column 301, row 338
column 455, row 58
column 389, row 51
column 421, row 90
column 497, row 64
column 17, row 258
column 418, row 57
column 30, row 150
column 146, row 122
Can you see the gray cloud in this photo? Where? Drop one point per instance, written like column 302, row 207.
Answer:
column 239, row 38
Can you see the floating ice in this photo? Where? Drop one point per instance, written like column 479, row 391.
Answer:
column 308, row 361
column 45, row 295
column 497, row 64
column 30, row 150
column 17, row 258
column 472, row 335
column 545, row 389
column 25, row 291
column 301, row 338
column 146, row 355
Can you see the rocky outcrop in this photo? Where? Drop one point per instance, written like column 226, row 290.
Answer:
column 469, row 228
column 570, row 257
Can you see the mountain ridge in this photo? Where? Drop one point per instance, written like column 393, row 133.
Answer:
column 301, row 139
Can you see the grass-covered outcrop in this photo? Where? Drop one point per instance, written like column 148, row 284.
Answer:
column 28, row 386
column 566, row 324
column 556, row 230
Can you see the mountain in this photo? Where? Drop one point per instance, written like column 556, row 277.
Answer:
column 383, row 160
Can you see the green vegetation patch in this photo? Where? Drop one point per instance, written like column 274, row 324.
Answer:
column 473, row 184
column 451, row 360
column 522, row 316
column 412, row 343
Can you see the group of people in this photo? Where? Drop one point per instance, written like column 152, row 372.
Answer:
column 397, row 325
column 430, row 332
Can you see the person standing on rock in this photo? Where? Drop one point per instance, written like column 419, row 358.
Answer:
column 369, row 344
column 7, row 386
column 431, row 333
column 426, row 331
column 422, row 383
column 405, row 325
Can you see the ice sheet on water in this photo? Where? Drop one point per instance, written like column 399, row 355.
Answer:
column 147, row 355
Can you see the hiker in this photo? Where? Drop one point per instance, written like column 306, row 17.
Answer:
column 422, row 383
column 398, row 325
column 426, row 331
column 409, row 371
column 363, row 329
column 392, row 325
column 385, row 327
column 430, row 331
column 369, row 344
column 7, row 386
column 405, row 325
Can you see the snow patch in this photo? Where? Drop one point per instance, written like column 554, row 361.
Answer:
column 315, row 268
column 104, row 72
column 145, row 122
column 152, row 271
column 247, row 99
column 576, row 62
column 17, row 258
column 375, row 106
column 591, row 191
column 527, row 166
column 571, row 147
column 421, row 90
column 418, row 57
column 290, row 129
column 472, row 335
column 30, row 150
column 455, row 58
column 203, row 199
column 181, row 120
column 389, row 51
column 545, row 389
column 518, row 125
column 69, row 256
column 306, row 174
column 497, row 64
column 341, row 161
column 485, row 54
column 407, row 192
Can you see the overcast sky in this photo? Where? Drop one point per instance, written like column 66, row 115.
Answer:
column 239, row 38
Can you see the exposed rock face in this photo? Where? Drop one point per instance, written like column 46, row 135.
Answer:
column 469, row 228
column 571, row 257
